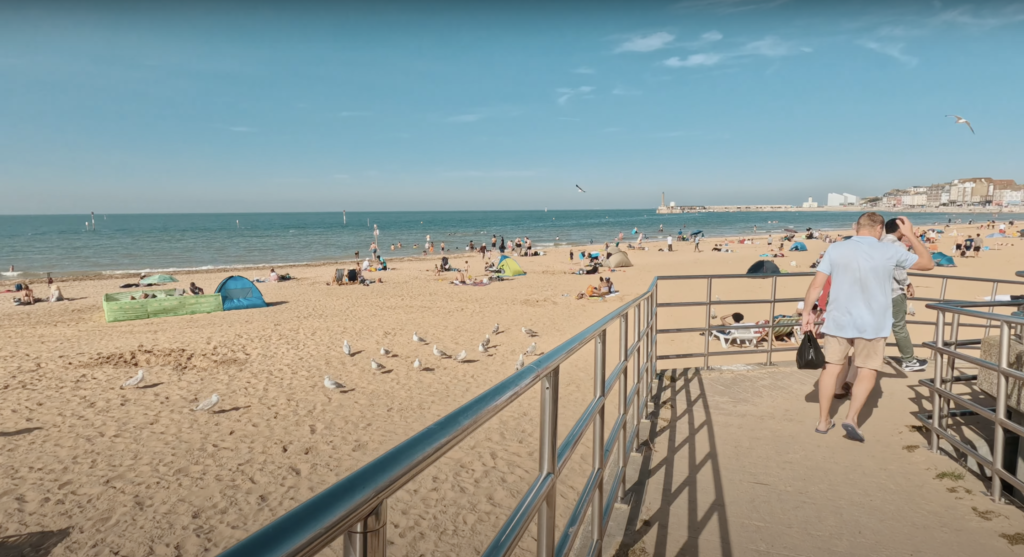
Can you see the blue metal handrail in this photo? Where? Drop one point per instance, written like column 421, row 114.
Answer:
column 356, row 505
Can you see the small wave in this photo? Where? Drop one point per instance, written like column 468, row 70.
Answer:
column 10, row 274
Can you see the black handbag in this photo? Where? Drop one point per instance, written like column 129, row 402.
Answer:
column 809, row 354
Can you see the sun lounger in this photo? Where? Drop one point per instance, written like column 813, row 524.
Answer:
column 739, row 337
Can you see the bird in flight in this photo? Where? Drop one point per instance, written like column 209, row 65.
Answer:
column 959, row 120
column 581, row 189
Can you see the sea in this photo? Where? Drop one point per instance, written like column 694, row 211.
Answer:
column 125, row 243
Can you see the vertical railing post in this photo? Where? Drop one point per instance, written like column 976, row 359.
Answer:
column 654, row 330
column 940, row 326
column 369, row 536
column 707, row 327
column 999, row 440
column 991, row 309
column 771, row 320
column 548, row 462
column 940, row 334
column 597, row 505
column 638, row 401
column 623, row 410
column 948, row 370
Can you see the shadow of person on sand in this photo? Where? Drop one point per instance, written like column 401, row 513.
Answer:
column 36, row 544
column 16, row 432
column 869, row 406
column 226, row 410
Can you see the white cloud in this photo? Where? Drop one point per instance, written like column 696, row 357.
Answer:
column 584, row 70
column 647, row 43
column 728, row 6
column 465, row 118
column 771, row 47
column 768, row 47
column 694, row 60
column 711, row 36
column 489, row 173
column 620, row 90
column 986, row 19
column 893, row 50
column 568, row 93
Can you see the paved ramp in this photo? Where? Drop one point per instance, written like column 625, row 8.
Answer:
column 737, row 470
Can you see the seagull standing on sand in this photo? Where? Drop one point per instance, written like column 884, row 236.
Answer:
column 532, row 349
column 416, row 338
column 495, row 329
column 135, row 380
column 384, row 352
column 346, row 348
column 331, row 383
column 439, row 353
column 375, row 365
column 460, row 356
column 207, row 404
column 581, row 189
column 417, row 364
column 521, row 363
column 960, row 120
column 482, row 348
column 529, row 332
column 487, row 340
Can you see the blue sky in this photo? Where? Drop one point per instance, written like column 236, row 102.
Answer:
column 184, row 107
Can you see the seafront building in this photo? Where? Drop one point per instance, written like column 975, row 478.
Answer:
column 842, row 200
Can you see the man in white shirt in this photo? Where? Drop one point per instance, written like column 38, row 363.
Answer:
column 670, row 243
column 859, row 311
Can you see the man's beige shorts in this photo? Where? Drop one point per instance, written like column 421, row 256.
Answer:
column 867, row 353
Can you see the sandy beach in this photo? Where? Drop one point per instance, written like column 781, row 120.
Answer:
column 136, row 472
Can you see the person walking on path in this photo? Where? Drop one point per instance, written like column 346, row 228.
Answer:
column 901, row 290
column 669, row 243
column 696, row 244
column 859, row 314
column 978, row 244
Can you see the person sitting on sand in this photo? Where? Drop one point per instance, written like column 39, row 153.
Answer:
column 195, row 290
column 55, row 294
column 273, row 276
column 27, row 298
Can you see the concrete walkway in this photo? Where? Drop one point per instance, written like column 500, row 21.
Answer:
column 738, row 471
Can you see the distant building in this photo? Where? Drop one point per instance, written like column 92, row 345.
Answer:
column 810, row 203
column 842, row 200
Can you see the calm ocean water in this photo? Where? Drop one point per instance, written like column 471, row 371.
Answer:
column 122, row 243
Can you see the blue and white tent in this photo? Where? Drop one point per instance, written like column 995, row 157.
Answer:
column 240, row 293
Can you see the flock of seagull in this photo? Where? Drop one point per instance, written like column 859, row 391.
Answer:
column 346, row 348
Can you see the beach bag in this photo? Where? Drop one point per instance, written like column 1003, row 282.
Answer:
column 809, row 355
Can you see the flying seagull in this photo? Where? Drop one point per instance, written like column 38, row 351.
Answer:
column 135, row 380
column 207, row 404
column 581, row 189
column 331, row 383
column 960, row 120
column 346, row 348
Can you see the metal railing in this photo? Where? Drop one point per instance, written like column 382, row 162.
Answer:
column 356, row 506
column 773, row 301
column 948, row 352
